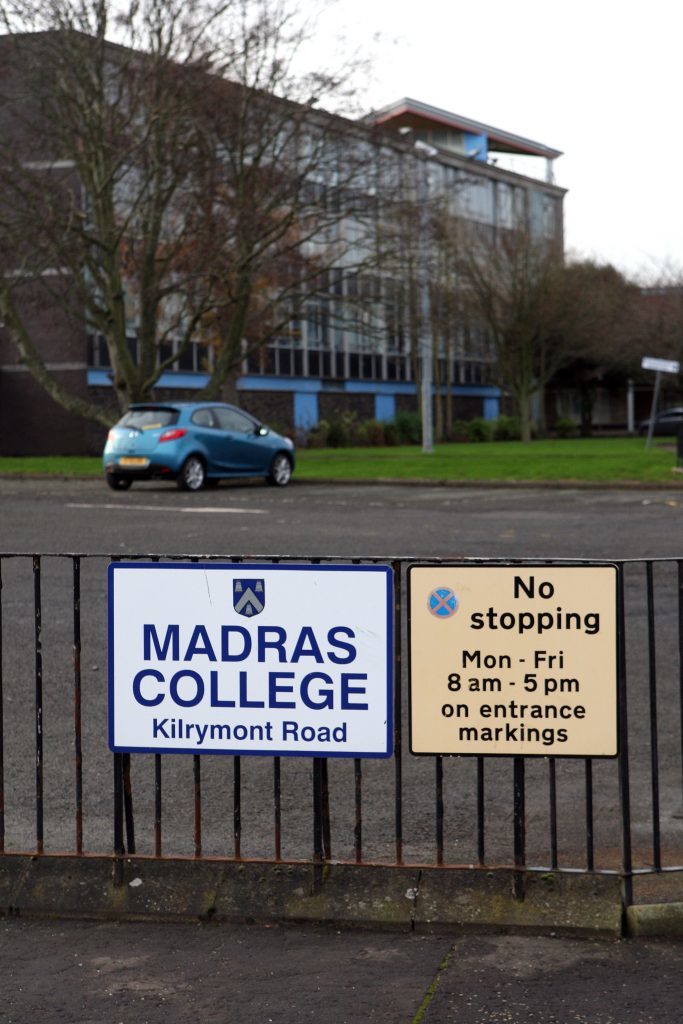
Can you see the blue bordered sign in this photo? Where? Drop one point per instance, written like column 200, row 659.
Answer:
column 250, row 659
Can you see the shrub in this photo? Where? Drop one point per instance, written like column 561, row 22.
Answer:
column 343, row 430
column 337, row 435
column 391, row 435
column 565, row 427
column 370, row 433
column 506, row 428
column 317, row 435
column 479, row 429
column 460, row 431
column 409, row 426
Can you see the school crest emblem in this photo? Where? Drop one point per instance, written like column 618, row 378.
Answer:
column 248, row 597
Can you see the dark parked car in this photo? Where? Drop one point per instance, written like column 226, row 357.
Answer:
column 666, row 423
column 195, row 443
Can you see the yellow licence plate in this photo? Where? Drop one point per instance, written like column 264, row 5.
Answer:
column 128, row 460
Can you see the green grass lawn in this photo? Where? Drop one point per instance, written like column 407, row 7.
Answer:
column 597, row 460
column 589, row 459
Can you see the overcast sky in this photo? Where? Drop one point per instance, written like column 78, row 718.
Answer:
column 598, row 79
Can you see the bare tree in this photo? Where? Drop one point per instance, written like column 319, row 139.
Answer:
column 181, row 186
column 419, row 251
column 513, row 285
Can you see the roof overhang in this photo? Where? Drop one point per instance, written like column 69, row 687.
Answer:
column 409, row 113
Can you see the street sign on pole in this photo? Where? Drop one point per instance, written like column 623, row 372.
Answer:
column 660, row 365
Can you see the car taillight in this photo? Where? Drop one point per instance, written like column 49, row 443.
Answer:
column 172, row 435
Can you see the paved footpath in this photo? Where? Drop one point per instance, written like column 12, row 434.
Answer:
column 75, row 972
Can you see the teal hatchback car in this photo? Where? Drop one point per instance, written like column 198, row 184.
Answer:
column 196, row 444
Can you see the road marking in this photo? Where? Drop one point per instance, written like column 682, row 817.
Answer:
column 227, row 510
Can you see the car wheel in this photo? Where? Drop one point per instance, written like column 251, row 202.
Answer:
column 118, row 483
column 192, row 476
column 280, row 470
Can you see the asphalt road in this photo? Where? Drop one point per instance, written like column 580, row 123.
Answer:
column 349, row 520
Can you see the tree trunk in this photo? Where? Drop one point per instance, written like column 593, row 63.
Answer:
column 525, row 419
column 438, row 401
column 587, row 399
column 229, row 388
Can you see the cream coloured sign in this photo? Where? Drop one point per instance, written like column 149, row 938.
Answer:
column 513, row 660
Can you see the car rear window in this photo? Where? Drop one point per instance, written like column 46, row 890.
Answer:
column 148, row 419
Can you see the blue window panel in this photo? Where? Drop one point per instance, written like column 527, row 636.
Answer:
column 305, row 410
column 491, row 408
column 476, row 146
column 385, row 408
column 255, row 382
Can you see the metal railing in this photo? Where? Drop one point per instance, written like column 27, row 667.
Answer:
column 622, row 816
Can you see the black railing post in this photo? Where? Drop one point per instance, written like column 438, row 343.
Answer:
column 78, row 732
column 519, row 826
column 481, row 812
column 157, row 805
column 624, row 778
column 2, row 736
column 590, row 825
column 197, row 775
column 680, row 652
column 439, row 809
column 128, row 803
column 358, row 802
column 37, row 605
column 237, row 806
column 398, row 704
column 119, row 851
column 277, row 806
column 552, row 798
column 325, row 810
column 654, row 734
column 317, row 825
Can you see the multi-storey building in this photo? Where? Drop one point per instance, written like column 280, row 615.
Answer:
column 329, row 360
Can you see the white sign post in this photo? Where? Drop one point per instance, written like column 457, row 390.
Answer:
column 250, row 659
column 659, row 366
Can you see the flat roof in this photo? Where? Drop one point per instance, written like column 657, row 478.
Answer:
column 414, row 114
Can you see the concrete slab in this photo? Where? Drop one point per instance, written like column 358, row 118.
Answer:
column 84, row 887
column 485, row 900
column 344, row 894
